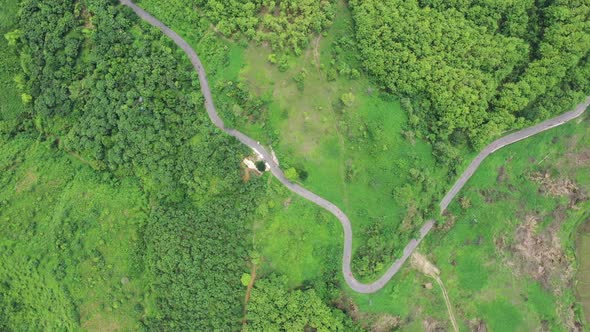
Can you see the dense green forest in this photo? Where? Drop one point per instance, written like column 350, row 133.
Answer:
column 116, row 95
column 476, row 69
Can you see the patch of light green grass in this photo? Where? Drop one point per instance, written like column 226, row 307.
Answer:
column 69, row 237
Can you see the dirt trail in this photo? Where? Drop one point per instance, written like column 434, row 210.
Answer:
column 422, row 264
column 248, row 291
column 316, row 52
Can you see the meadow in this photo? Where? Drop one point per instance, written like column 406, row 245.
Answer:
column 508, row 256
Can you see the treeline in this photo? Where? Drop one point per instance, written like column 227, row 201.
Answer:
column 285, row 25
column 274, row 308
column 473, row 69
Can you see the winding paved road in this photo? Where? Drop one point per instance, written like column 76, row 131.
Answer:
column 278, row 173
column 507, row 140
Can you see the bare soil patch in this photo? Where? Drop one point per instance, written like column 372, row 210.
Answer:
column 556, row 187
column 477, row 325
column 432, row 325
column 539, row 254
column 491, row 195
column 502, row 177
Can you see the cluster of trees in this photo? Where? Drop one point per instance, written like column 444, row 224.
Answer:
column 380, row 246
column 510, row 18
column 285, row 24
column 565, row 42
column 272, row 307
column 12, row 115
column 236, row 102
column 473, row 69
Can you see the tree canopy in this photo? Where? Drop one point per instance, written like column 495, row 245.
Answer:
column 472, row 68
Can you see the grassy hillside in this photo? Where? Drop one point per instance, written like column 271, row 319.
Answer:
column 506, row 249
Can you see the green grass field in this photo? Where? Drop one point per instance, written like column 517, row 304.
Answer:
column 486, row 274
column 354, row 156
column 69, row 236
column 583, row 273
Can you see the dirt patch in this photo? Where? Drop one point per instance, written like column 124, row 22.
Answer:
column 27, row 182
column 246, row 176
column 580, row 159
column 287, row 202
column 449, row 221
column 422, row 264
column 248, row 292
column 385, row 323
column 368, row 321
column 477, row 325
column 557, row 187
column 492, row 195
column 502, row 177
column 539, row 254
column 432, row 325
column 87, row 18
column 93, row 320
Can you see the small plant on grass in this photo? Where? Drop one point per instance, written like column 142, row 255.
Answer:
column 465, row 202
column 291, row 174
column 245, row 279
column 348, row 99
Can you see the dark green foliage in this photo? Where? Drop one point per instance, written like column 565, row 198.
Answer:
column 273, row 308
column 13, row 117
column 119, row 94
column 378, row 249
column 235, row 101
column 261, row 166
column 470, row 80
column 196, row 258
column 511, row 18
